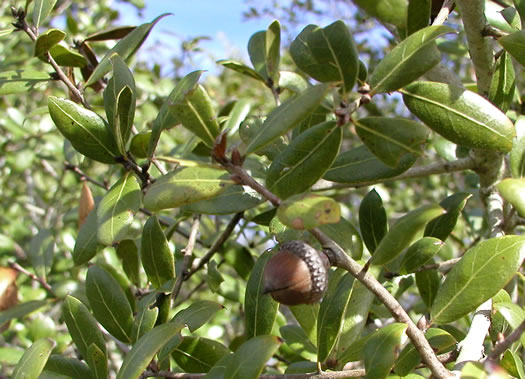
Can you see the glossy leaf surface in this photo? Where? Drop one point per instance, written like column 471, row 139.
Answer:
column 186, row 185
column 249, row 359
column 345, row 234
column 403, row 232
column 513, row 191
column 409, row 60
column 327, row 54
column 459, row 115
column 260, row 308
column 391, row 138
column 157, row 259
column 419, row 253
column 198, row 354
column 117, row 209
column 479, row 275
column 34, row 359
column 286, row 116
column 109, row 303
column 308, row 211
column 379, row 351
column 442, row 226
column 86, row 131
column 305, row 160
column 197, row 314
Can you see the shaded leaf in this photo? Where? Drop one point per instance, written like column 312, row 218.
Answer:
column 372, row 220
column 41, row 252
column 65, row 57
column 126, row 47
column 21, row 81
column 514, row 43
column 236, row 116
column 86, row 244
column 517, row 154
column 70, row 367
column 144, row 321
column 503, row 83
column 409, row 60
column 260, row 309
column 197, row 314
column 391, row 138
column 479, row 275
column 419, row 253
column 306, row 315
column 513, row 191
column 213, row 276
column 86, row 130
column 139, row 144
column 305, row 160
column 308, row 211
column 241, row 69
column 34, row 359
column 459, row 115
column 21, row 310
column 41, row 10
column 360, row 165
column 234, row 199
column 198, row 354
column 345, row 234
column 146, row 347
column 286, row 116
column 249, row 359
column 296, row 338
column 97, row 361
column 428, row 283
column 47, row 40
column 442, row 226
column 253, row 126
column 186, row 185
column 513, row 364
column 82, row 326
column 157, row 258
column 403, row 232
column 128, row 253
column 117, row 209
column 110, row 34
column 264, row 51
column 109, row 303
column 383, row 11
column 418, row 15
column 327, row 54
column 379, row 352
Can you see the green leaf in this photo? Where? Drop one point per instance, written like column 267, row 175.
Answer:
column 34, row 359
column 388, row 11
column 517, row 154
column 512, row 363
column 296, row 338
column 110, row 34
column 128, row 253
column 139, row 145
column 144, row 322
column 198, row 354
column 259, row 308
column 86, row 244
column 479, row 275
column 514, row 43
column 503, row 83
column 292, row 81
column 119, row 102
column 305, row 160
column 197, row 314
column 249, row 359
column 391, row 138
column 308, row 211
column 70, row 367
column 86, row 130
column 442, row 226
column 165, row 118
column 428, row 283
column 372, row 220
column 82, row 326
column 117, row 209
column 21, row 310
column 97, row 361
column 264, row 51
column 234, row 199
column 126, row 47
column 409, row 357
column 65, row 57
column 306, row 315
column 252, row 127
column 510, row 14
column 512, row 313
column 41, row 10
column 520, row 7
column 379, row 352
column 21, row 81
column 403, row 232
column 331, row 315
column 47, row 40
column 213, row 277
column 41, row 252
column 327, row 54
column 236, row 116
column 409, row 60
column 194, row 110
column 109, row 303
column 345, row 234
column 241, row 69
column 186, row 185
column 513, row 191
column 157, row 259
column 419, row 253
column 418, row 15
column 287, row 116
column 459, row 115
column 360, row 165
column 146, row 347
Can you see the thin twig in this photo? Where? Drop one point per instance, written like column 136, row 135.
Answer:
column 323, row 375
column 216, row 245
column 188, row 253
column 84, row 176
column 441, row 266
column 444, row 12
column 504, row 345
column 41, row 281
column 240, row 174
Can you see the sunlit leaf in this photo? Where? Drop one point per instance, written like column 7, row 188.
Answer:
column 41, row 10
column 47, row 40
column 198, row 354
column 249, row 359
column 21, row 81
column 264, row 51
column 419, row 253
column 503, row 83
column 308, row 211
column 197, row 314
column 442, row 226
column 86, row 244
column 34, row 359
column 379, row 351
column 513, row 191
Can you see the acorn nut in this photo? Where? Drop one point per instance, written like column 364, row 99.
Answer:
column 296, row 274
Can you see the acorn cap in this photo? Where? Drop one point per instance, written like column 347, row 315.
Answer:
column 296, row 274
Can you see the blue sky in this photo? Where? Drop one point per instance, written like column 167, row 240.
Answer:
column 222, row 21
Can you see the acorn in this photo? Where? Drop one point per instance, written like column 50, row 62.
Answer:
column 296, row 274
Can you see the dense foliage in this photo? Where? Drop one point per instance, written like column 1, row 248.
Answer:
column 140, row 210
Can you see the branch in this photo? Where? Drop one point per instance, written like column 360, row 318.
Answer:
column 83, row 176
column 503, row 346
column 188, row 253
column 323, row 375
column 460, row 164
column 444, row 12
column 15, row 266
column 441, row 266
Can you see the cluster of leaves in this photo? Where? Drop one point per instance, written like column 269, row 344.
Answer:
column 157, row 166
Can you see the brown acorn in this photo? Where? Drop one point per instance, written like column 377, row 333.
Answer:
column 296, row 274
